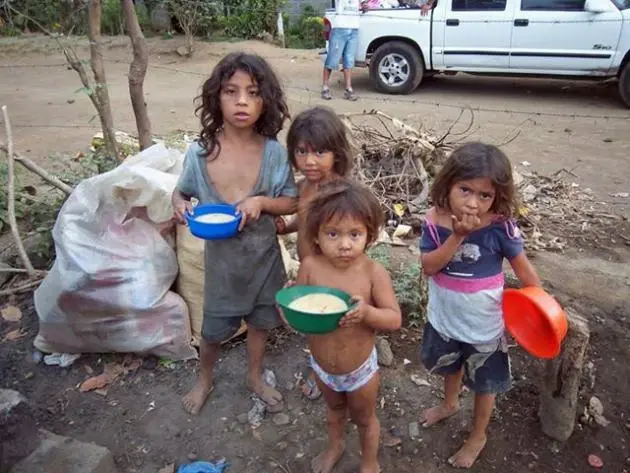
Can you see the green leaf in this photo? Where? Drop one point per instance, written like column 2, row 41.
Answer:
column 87, row 90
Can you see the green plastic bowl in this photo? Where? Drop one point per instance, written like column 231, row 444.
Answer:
column 305, row 322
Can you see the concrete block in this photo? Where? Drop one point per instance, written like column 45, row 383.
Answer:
column 57, row 454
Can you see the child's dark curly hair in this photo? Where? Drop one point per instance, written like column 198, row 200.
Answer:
column 320, row 129
column 472, row 161
column 275, row 110
column 343, row 198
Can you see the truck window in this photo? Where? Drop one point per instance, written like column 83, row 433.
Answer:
column 552, row 5
column 622, row 4
column 479, row 5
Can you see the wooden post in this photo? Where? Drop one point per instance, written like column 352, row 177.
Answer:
column 561, row 381
column 280, row 28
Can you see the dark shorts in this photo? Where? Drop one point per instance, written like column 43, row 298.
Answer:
column 218, row 329
column 485, row 371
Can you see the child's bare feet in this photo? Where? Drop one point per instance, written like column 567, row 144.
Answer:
column 326, row 461
column 370, row 468
column 196, row 397
column 467, row 455
column 435, row 414
column 271, row 396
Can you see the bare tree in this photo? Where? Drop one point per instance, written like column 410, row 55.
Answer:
column 137, row 72
column 190, row 14
column 100, row 91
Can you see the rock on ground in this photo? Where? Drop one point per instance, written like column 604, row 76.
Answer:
column 57, row 454
column 281, row 419
column 384, row 350
column 9, row 400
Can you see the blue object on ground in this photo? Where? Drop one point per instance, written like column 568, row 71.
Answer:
column 204, row 467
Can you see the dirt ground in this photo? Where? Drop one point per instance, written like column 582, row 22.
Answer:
column 561, row 125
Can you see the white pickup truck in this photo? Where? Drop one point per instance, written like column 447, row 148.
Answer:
column 585, row 39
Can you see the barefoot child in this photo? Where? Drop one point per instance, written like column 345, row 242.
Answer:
column 318, row 147
column 465, row 239
column 237, row 160
column 341, row 221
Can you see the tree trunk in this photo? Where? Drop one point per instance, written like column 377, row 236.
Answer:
column 137, row 72
column 100, row 82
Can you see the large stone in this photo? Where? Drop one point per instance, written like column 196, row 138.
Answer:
column 57, row 454
column 18, row 428
column 384, row 351
column 9, row 400
column 561, row 381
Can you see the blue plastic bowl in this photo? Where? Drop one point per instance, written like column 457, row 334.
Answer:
column 213, row 231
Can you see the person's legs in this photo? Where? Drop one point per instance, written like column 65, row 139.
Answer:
column 336, row 411
column 326, row 78
column 259, row 322
column 468, row 453
column 486, row 372
column 336, row 43
column 213, row 331
column 196, row 398
column 450, row 405
column 362, row 404
column 445, row 357
column 349, row 53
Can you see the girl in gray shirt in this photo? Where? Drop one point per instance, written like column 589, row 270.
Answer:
column 238, row 161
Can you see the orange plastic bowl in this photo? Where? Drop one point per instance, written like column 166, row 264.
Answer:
column 535, row 320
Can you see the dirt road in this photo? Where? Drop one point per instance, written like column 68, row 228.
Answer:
column 559, row 125
column 578, row 126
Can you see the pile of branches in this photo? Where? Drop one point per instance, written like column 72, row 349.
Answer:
column 555, row 212
column 398, row 162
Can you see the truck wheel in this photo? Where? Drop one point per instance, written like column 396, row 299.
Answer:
column 396, row 68
column 624, row 84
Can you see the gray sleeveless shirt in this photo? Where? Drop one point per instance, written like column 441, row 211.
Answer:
column 247, row 270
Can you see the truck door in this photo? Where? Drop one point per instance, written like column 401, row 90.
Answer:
column 477, row 34
column 561, row 36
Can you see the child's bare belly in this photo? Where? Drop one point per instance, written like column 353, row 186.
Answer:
column 344, row 350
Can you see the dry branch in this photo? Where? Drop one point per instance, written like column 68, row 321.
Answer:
column 11, row 196
column 100, row 92
column 398, row 162
column 45, row 175
column 22, row 271
column 102, row 107
column 18, row 289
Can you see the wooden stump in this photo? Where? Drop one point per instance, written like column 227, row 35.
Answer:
column 561, row 381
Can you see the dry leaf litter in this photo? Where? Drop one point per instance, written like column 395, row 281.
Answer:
column 398, row 162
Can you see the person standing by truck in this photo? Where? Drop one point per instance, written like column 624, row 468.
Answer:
column 342, row 46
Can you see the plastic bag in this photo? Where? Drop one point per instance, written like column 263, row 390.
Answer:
column 108, row 290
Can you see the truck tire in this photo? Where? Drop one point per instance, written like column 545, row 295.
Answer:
column 396, row 68
column 624, row 84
